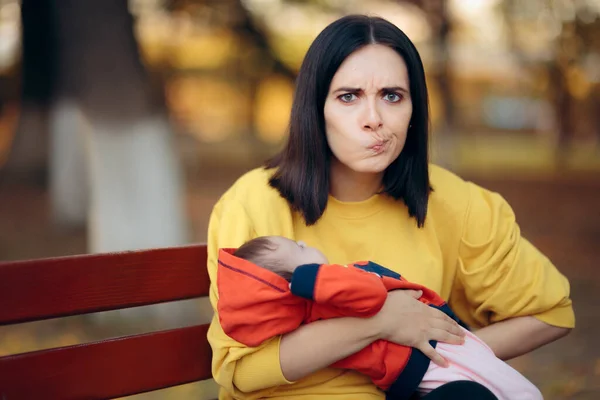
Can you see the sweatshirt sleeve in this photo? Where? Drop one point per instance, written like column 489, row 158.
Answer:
column 356, row 293
column 245, row 372
column 502, row 275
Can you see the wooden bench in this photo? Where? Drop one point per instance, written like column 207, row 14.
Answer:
column 35, row 290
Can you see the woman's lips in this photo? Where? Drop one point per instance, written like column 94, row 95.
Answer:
column 379, row 147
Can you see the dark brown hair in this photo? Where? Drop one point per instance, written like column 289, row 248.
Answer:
column 259, row 251
column 302, row 175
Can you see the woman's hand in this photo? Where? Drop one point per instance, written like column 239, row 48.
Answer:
column 406, row 321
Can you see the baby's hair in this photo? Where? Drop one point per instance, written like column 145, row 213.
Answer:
column 259, row 251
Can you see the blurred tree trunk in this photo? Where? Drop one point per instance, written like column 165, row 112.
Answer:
column 562, row 103
column 113, row 162
column 105, row 102
column 595, row 110
column 27, row 160
column 441, row 25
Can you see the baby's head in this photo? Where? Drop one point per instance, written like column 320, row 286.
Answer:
column 279, row 254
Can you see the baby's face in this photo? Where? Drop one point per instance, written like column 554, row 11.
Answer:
column 296, row 253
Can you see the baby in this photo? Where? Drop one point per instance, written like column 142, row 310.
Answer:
column 287, row 283
column 279, row 254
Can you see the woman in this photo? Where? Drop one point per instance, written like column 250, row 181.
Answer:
column 354, row 182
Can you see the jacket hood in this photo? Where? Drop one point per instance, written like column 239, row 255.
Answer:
column 244, row 290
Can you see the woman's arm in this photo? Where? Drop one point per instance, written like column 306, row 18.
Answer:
column 402, row 319
column 505, row 283
column 517, row 336
column 319, row 344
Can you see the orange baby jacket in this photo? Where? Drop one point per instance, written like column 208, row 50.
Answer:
column 256, row 304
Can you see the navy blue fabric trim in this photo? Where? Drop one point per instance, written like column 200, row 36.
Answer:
column 304, row 279
column 378, row 269
column 448, row 311
column 464, row 390
column 411, row 376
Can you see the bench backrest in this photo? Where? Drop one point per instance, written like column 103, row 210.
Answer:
column 47, row 288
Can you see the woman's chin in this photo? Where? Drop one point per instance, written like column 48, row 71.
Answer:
column 368, row 165
column 374, row 167
column 377, row 164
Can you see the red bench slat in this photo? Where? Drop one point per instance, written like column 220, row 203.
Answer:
column 54, row 287
column 108, row 369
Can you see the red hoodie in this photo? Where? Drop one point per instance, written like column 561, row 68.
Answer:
column 256, row 304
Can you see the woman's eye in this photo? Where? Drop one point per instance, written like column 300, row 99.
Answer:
column 392, row 97
column 348, row 97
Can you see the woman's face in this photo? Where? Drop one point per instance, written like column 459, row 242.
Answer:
column 368, row 109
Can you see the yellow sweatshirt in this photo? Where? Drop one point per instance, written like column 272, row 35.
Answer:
column 470, row 251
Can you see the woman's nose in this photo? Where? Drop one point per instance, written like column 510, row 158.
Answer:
column 372, row 118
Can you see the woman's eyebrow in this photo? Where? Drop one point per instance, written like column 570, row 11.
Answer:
column 394, row 89
column 347, row 89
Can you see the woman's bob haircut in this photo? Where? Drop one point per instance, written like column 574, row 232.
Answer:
column 303, row 166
